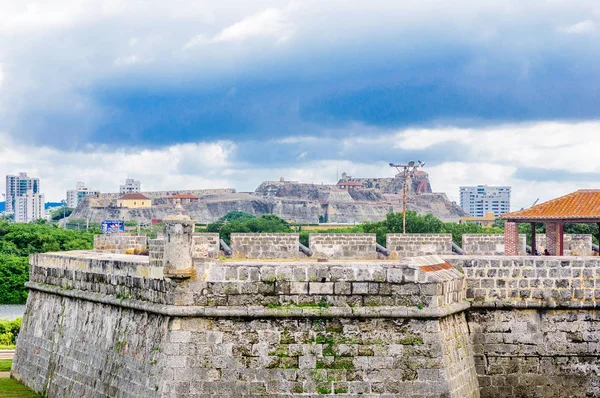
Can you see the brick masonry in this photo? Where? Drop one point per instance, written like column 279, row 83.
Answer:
column 265, row 245
column 339, row 246
column 552, row 236
column 488, row 244
column 413, row 245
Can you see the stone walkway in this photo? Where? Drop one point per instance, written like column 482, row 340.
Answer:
column 4, row 375
column 7, row 354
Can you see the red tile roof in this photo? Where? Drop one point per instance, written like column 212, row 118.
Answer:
column 184, row 196
column 130, row 196
column 350, row 184
column 580, row 205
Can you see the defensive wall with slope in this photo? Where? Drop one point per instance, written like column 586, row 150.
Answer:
column 439, row 325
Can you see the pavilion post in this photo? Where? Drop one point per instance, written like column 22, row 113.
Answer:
column 552, row 241
column 533, row 238
column 598, row 237
column 511, row 239
column 561, row 237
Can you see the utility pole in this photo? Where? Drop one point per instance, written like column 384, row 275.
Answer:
column 407, row 170
column 64, row 203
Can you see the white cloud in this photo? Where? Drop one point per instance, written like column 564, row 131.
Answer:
column 271, row 22
column 425, row 138
column 180, row 166
column 125, row 61
column 579, row 28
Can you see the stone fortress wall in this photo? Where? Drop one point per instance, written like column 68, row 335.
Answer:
column 163, row 194
column 413, row 245
column 122, row 243
column 435, row 326
column 574, row 245
column 488, row 244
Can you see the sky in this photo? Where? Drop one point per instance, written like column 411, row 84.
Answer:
column 204, row 94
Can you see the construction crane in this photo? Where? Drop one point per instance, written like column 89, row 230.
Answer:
column 406, row 170
column 534, row 203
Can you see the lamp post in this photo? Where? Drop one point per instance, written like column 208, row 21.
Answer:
column 407, row 170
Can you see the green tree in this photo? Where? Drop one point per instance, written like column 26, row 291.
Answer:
column 236, row 216
column 18, row 241
column 240, row 223
column 14, row 272
column 61, row 212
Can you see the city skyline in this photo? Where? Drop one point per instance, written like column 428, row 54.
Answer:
column 231, row 94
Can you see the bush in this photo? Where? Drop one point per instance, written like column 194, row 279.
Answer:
column 9, row 331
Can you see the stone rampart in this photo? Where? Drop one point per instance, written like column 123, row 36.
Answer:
column 534, row 324
column 165, row 194
column 413, row 245
column 531, row 281
column 246, row 329
column 122, row 243
column 340, row 246
column 489, row 244
column 574, row 245
column 156, row 252
column 101, row 324
column 265, row 245
column 206, row 245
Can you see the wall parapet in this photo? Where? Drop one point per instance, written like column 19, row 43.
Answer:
column 489, row 244
column 267, row 245
column 343, row 246
column 574, row 244
column 530, row 281
column 122, row 243
column 414, row 245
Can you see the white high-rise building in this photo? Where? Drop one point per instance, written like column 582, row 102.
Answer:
column 131, row 186
column 17, row 186
column 481, row 199
column 29, row 207
column 74, row 196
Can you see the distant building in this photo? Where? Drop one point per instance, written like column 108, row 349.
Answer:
column 29, row 207
column 348, row 185
column 17, row 186
column 480, row 199
column 183, row 198
column 74, row 196
column 486, row 221
column 134, row 201
column 131, row 186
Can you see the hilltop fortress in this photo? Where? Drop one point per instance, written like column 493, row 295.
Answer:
column 351, row 200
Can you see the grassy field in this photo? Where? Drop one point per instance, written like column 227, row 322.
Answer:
column 10, row 388
column 5, row 365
